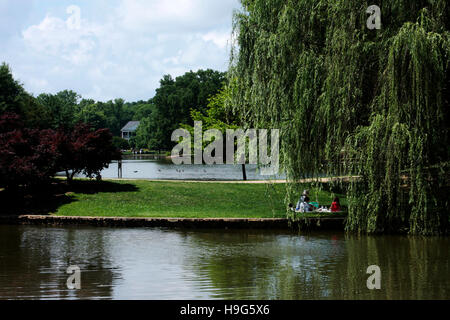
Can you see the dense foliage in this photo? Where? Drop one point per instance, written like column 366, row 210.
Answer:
column 83, row 150
column 353, row 101
column 14, row 99
column 39, row 137
column 64, row 132
column 173, row 101
column 30, row 156
column 159, row 116
column 27, row 156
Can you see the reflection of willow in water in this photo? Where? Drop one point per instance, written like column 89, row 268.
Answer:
column 263, row 266
column 255, row 265
column 34, row 263
column 411, row 268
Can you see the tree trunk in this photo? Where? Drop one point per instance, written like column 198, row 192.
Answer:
column 244, row 173
column 68, row 177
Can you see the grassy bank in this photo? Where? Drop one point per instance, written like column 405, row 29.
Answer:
column 176, row 199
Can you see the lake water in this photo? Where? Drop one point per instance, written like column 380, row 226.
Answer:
column 147, row 263
column 144, row 167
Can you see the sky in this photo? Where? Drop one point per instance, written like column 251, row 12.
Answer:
column 108, row 49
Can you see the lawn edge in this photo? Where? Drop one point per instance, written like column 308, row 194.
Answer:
column 329, row 223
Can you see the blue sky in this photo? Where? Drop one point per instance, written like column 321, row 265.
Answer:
column 117, row 48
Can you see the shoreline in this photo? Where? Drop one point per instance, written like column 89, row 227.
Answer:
column 199, row 181
column 312, row 223
column 268, row 181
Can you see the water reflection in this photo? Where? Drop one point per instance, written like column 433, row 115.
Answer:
column 34, row 260
column 270, row 266
column 325, row 266
column 204, row 264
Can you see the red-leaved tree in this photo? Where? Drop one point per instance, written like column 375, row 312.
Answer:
column 32, row 156
column 83, row 150
column 27, row 156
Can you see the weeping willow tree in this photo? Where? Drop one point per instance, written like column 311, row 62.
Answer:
column 372, row 104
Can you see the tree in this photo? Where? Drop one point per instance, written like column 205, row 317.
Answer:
column 83, row 150
column 27, row 156
column 93, row 115
column 221, row 116
column 142, row 110
column 31, row 153
column 120, row 143
column 14, row 99
column 10, row 91
column 62, row 106
column 218, row 115
column 143, row 133
column 115, row 115
column 175, row 98
column 354, row 101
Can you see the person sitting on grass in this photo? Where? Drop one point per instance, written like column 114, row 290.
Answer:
column 307, row 206
column 335, row 206
column 301, row 202
column 303, row 206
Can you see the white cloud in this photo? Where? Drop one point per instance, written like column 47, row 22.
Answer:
column 174, row 15
column 220, row 39
column 123, row 51
column 54, row 37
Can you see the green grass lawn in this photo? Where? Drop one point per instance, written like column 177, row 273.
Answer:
column 177, row 199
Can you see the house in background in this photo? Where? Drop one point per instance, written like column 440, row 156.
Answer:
column 130, row 129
